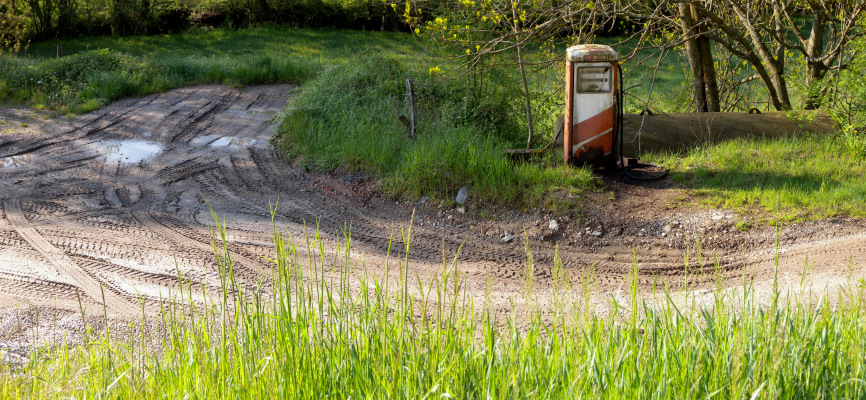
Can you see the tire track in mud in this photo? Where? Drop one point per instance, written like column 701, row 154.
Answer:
column 174, row 234
column 65, row 266
column 121, row 198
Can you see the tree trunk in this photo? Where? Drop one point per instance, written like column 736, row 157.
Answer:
column 264, row 11
column 814, row 49
column 770, row 68
column 42, row 18
column 711, row 85
column 64, row 18
column 693, row 53
column 526, row 97
column 699, row 51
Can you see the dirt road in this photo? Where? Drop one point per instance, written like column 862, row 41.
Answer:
column 112, row 204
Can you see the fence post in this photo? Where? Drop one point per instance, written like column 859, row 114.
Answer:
column 411, row 94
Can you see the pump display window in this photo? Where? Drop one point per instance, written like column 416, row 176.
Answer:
column 593, row 79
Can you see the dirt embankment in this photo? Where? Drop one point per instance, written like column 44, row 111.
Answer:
column 112, row 203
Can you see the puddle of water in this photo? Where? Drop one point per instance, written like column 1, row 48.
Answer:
column 268, row 113
column 199, row 141
column 15, row 161
column 233, row 142
column 130, row 151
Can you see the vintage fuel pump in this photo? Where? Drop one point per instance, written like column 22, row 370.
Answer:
column 592, row 125
column 592, row 105
column 593, row 112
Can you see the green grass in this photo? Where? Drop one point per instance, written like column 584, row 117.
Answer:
column 330, row 329
column 348, row 118
column 95, row 71
column 796, row 178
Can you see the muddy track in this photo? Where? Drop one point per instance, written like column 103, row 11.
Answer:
column 114, row 204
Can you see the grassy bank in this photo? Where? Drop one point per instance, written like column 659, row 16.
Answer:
column 95, row 71
column 328, row 331
column 797, row 178
column 349, row 118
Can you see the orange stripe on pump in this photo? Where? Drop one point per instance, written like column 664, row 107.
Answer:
column 569, row 110
column 593, row 138
column 596, row 124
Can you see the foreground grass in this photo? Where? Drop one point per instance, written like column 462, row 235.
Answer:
column 330, row 330
column 796, row 178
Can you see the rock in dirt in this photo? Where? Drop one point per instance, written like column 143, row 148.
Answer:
column 423, row 200
column 461, row 210
column 553, row 225
column 508, row 238
column 462, row 195
column 667, row 228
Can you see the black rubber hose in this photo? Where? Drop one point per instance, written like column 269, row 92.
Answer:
column 619, row 119
column 620, row 93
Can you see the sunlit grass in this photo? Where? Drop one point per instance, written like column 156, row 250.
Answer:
column 348, row 118
column 108, row 68
column 796, row 178
column 326, row 327
column 316, row 45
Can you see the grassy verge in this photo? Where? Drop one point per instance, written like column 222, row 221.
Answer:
column 798, row 178
column 349, row 118
column 95, row 71
column 327, row 331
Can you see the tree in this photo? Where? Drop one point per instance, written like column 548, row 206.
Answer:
column 13, row 27
column 65, row 15
column 701, row 62
column 487, row 34
column 762, row 33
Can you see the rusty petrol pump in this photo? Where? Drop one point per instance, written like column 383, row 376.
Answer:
column 593, row 131
column 592, row 106
column 592, row 127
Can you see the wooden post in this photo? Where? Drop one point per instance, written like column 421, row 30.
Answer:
column 411, row 94
column 59, row 51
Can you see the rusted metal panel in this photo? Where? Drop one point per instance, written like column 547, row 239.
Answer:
column 591, row 52
column 594, row 139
